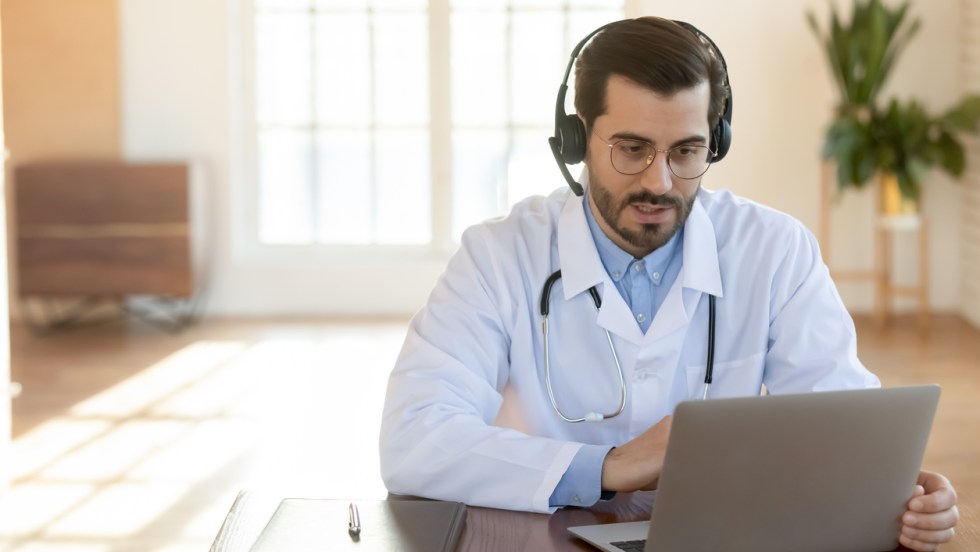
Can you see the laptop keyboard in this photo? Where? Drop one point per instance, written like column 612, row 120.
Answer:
column 631, row 546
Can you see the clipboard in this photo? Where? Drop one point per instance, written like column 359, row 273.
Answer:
column 300, row 524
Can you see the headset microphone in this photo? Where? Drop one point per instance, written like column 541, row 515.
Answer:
column 570, row 141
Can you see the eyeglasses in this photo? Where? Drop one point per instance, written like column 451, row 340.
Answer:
column 687, row 161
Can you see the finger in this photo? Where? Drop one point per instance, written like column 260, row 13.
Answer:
column 932, row 482
column 925, row 540
column 931, row 522
column 934, row 500
column 928, row 479
column 912, row 544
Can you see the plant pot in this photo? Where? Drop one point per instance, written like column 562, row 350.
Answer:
column 891, row 202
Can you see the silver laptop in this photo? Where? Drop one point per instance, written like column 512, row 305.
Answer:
column 827, row 471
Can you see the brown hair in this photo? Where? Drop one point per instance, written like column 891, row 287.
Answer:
column 653, row 52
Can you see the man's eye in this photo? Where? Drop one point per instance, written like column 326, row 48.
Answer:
column 632, row 148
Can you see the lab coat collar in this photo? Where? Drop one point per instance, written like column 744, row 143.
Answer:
column 701, row 270
column 581, row 267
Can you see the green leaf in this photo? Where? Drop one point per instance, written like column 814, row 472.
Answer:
column 953, row 155
column 963, row 116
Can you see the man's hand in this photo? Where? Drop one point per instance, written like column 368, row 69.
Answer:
column 636, row 465
column 931, row 514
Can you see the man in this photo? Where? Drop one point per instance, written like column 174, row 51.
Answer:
column 482, row 405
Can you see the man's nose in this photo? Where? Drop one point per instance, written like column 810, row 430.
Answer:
column 657, row 177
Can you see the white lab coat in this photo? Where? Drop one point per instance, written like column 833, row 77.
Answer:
column 467, row 415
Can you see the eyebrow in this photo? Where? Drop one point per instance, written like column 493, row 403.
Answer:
column 693, row 139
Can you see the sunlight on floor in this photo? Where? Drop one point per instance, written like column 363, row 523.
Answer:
column 166, row 450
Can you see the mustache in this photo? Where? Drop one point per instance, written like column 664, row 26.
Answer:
column 647, row 197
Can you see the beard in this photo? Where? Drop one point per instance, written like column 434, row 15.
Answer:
column 650, row 236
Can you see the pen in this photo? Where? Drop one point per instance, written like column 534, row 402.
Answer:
column 354, row 525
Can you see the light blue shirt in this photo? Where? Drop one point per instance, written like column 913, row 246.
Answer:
column 644, row 284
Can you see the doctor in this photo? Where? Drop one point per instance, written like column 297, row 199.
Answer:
column 486, row 408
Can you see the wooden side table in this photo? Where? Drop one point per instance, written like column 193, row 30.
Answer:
column 886, row 228
column 880, row 275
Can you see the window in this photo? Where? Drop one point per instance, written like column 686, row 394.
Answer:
column 401, row 122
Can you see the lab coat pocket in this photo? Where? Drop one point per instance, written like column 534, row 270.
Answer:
column 734, row 378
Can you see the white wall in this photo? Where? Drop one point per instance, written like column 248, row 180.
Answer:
column 180, row 84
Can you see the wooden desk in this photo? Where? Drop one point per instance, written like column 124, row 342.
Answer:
column 487, row 529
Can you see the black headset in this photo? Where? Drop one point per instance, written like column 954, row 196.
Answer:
column 570, row 140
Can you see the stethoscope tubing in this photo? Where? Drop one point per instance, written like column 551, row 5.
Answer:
column 545, row 308
column 597, row 300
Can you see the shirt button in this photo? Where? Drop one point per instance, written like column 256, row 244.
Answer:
column 576, row 499
column 641, row 317
column 638, row 267
column 617, row 274
column 656, row 275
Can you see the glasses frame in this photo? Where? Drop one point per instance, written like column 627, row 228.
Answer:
column 652, row 158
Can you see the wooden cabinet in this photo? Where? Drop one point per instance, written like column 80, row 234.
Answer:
column 105, row 229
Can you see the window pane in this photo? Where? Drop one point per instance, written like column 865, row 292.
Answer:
column 536, row 38
column 344, row 181
column 343, row 112
column 539, row 4
column 343, row 76
column 282, row 4
column 532, row 169
column 615, row 8
column 479, row 175
column 342, row 4
column 581, row 23
column 479, row 74
column 400, row 4
column 482, row 5
column 284, row 170
column 404, row 200
column 282, row 68
column 401, row 48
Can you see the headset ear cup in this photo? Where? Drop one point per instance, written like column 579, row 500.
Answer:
column 722, row 139
column 571, row 133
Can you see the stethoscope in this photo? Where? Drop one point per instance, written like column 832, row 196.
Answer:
column 596, row 416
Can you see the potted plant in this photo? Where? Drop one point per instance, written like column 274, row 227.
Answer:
column 898, row 142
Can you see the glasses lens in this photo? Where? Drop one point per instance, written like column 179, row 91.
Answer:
column 631, row 156
column 634, row 156
column 689, row 161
